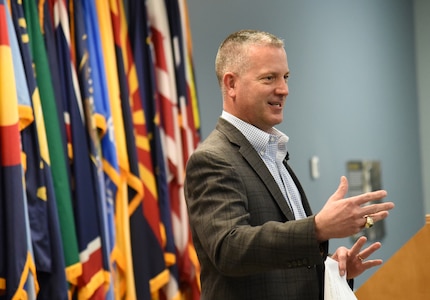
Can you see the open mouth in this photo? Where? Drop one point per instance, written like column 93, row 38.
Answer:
column 276, row 104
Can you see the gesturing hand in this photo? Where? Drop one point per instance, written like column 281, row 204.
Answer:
column 342, row 217
column 353, row 261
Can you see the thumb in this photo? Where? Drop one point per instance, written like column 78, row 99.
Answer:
column 341, row 191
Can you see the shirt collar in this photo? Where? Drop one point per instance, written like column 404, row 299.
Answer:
column 258, row 138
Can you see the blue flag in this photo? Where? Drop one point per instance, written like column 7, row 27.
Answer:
column 85, row 197
column 86, row 79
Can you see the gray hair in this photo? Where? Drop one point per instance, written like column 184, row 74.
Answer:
column 232, row 53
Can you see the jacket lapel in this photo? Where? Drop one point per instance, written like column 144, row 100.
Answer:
column 255, row 161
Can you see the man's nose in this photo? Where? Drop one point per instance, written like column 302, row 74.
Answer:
column 282, row 88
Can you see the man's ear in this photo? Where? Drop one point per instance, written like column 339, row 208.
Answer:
column 229, row 82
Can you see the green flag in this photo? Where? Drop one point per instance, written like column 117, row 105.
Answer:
column 55, row 143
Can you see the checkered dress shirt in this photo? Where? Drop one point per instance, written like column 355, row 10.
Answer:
column 272, row 148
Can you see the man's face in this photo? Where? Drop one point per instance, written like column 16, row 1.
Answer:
column 260, row 91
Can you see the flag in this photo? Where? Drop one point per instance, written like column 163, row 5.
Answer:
column 189, row 133
column 145, row 68
column 28, row 145
column 193, row 119
column 82, row 61
column 85, row 196
column 16, row 263
column 124, row 260
column 104, row 125
column 187, row 264
column 169, row 123
column 189, row 70
column 42, row 209
column 140, row 45
column 148, row 257
column 55, row 143
column 135, row 186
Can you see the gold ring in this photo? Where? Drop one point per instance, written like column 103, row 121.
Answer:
column 359, row 257
column 369, row 222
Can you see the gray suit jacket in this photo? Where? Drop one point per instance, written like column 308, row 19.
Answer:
column 240, row 221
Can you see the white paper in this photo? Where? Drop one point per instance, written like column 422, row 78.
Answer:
column 335, row 286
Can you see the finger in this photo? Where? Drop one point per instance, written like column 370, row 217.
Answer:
column 375, row 217
column 372, row 263
column 342, row 189
column 355, row 249
column 369, row 250
column 368, row 220
column 370, row 196
column 374, row 209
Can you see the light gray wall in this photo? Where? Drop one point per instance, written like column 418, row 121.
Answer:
column 353, row 92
